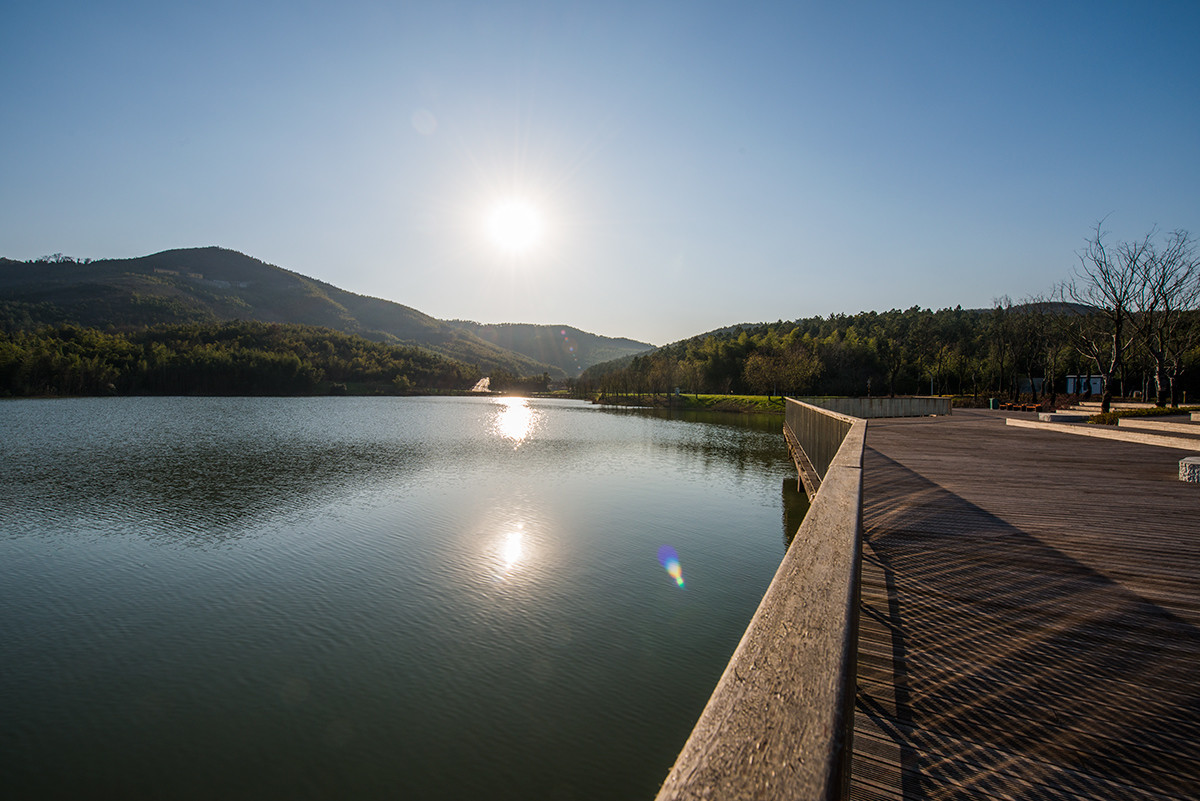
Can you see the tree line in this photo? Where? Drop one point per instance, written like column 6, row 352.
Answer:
column 239, row 358
column 1129, row 315
column 509, row 382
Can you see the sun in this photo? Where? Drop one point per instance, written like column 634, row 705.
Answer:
column 515, row 225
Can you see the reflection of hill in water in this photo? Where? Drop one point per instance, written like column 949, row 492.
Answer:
column 723, row 438
column 716, row 444
column 206, row 470
column 197, row 492
column 196, row 470
column 772, row 423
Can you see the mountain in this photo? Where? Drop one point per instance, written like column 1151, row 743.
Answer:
column 201, row 285
column 562, row 346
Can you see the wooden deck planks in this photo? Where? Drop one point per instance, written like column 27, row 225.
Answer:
column 1030, row 616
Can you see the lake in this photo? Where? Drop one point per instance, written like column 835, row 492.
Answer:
column 371, row 597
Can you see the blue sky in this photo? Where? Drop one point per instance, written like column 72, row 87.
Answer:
column 695, row 164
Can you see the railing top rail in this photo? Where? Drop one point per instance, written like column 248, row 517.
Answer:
column 882, row 406
column 828, row 412
column 780, row 722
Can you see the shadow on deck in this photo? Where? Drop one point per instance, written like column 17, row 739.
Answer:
column 994, row 664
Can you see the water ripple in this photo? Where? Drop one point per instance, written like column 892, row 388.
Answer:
column 368, row 597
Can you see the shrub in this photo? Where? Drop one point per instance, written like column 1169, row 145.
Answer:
column 1111, row 418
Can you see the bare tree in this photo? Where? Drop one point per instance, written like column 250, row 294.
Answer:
column 1167, row 295
column 999, row 338
column 1037, row 342
column 1052, row 322
column 1105, row 285
column 1026, row 333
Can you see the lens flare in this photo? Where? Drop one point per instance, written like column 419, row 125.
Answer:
column 670, row 562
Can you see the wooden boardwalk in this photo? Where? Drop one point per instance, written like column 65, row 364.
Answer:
column 1030, row 615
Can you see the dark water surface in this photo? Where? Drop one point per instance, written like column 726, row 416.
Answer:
column 369, row 598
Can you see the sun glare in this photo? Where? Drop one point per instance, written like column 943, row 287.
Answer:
column 515, row 225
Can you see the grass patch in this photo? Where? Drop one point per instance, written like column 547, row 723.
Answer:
column 742, row 404
column 757, row 404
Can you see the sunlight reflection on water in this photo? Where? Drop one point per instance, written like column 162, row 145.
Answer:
column 515, row 420
column 512, row 548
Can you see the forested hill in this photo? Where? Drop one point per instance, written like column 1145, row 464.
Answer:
column 562, row 346
column 959, row 351
column 246, row 358
column 210, row 285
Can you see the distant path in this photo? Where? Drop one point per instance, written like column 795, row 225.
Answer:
column 1030, row 615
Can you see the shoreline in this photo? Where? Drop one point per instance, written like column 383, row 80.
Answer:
column 730, row 404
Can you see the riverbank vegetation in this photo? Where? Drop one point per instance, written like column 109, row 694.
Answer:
column 242, row 358
column 1014, row 350
column 205, row 286
column 509, row 383
column 1129, row 316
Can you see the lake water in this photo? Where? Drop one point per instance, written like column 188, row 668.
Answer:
column 370, row 597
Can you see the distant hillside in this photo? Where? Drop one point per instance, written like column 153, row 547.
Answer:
column 562, row 346
column 205, row 285
column 1019, row 351
column 234, row 358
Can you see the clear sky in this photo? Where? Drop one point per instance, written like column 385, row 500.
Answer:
column 687, row 165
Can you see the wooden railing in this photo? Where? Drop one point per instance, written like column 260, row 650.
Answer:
column 780, row 722
column 868, row 408
column 814, row 435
